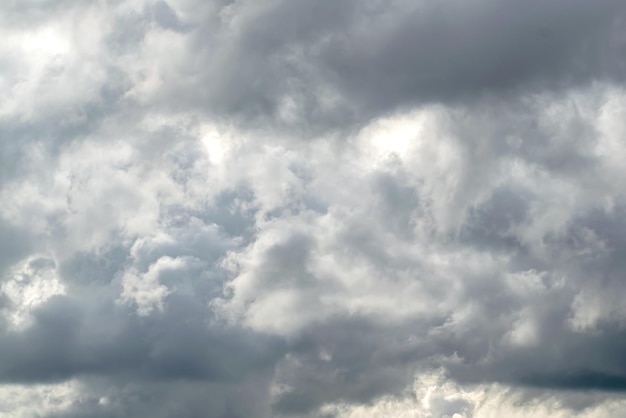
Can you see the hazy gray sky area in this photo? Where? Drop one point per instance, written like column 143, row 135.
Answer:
column 313, row 208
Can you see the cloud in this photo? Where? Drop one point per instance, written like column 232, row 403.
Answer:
column 325, row 65
column 314, row 208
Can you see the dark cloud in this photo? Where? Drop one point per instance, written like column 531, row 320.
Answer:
column 452, row 51
column 350, row 360
column 333, row 64
column 66, row 341
column 15, row 243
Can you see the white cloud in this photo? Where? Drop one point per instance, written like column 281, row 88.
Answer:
column 28, row 284
column 32, row 400
column 145, row 290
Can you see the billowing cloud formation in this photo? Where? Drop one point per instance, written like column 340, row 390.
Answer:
column 312, row 209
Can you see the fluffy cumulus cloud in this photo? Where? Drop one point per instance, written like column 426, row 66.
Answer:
column 314, row 208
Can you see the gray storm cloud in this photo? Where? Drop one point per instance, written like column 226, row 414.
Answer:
column 312, row 208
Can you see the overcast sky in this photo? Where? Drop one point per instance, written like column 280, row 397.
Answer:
column 312, row 208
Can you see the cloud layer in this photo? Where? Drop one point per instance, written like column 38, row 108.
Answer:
column 312, row 209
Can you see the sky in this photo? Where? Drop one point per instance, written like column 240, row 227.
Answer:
column 312, row 208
